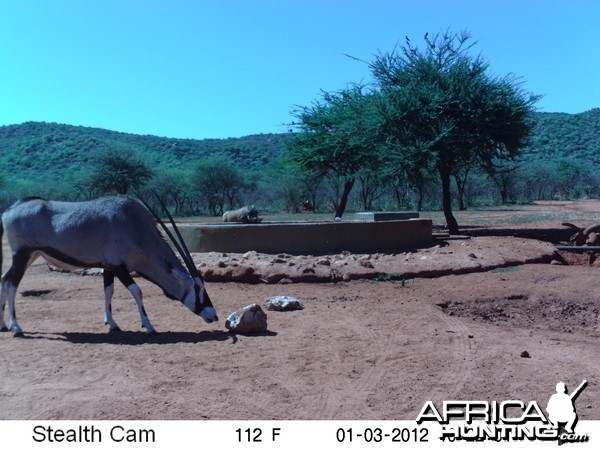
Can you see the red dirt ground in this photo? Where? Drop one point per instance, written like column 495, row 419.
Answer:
column 444, row 323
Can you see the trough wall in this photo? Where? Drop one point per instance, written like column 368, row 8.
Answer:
column 385, row 215
column 309, row 238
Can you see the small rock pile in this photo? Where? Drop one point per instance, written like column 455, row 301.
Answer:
column 283, row 303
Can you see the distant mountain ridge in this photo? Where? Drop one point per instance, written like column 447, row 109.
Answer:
column 567, row 135
column 38, row 147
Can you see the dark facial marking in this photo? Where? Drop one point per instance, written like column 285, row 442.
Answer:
column 199, row 306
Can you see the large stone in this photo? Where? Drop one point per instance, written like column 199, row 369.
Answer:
column 250, row 319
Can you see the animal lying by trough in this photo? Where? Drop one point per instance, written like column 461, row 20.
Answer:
column 117, row 234
column 247, row 214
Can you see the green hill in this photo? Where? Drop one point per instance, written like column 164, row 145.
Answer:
column 50, row 159
column 567, row 136
column 35, row 148
column 38, row 147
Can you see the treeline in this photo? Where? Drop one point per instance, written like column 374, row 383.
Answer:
column 59, row 161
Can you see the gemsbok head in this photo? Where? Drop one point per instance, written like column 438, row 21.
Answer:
column 118, row 234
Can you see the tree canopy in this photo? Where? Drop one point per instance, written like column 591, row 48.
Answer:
column 338, row 136
column 219, row 181
column 118, row 171
column 443, row 109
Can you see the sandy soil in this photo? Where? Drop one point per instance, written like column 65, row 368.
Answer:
column 449, row 322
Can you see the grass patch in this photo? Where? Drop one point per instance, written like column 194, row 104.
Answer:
column 391, row 277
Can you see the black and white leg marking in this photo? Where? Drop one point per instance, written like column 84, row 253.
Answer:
column 3, row 296
column 125, row 278
column 109, row 290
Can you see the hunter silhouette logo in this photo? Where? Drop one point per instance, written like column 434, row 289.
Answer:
column 508, row 420
column 561, row 410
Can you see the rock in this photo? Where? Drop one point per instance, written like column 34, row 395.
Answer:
column 239, row 274
column 283, row 303
column 273, row 277
column 250, row 319
column 366, row 263
column 525, row 354
column 278, row 261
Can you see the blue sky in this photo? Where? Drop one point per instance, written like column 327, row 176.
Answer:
column 215, row 69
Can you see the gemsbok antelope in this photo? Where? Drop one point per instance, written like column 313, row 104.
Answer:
column 118, row 234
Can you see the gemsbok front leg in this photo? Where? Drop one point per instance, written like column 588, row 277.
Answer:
column 109, row 290
column 125, row 277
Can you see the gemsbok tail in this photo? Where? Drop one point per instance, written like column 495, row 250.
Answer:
column 1, row 234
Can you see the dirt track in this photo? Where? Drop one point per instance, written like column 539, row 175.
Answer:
column 361, row 349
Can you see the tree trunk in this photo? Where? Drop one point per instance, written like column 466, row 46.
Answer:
column 420, row 197
column 348, row 184
column 460, row 187
column 447, row 202
column 313, row 199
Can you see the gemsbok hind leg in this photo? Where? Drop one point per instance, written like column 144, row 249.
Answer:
column 124, row 277
column 109, row 290
column 3, row 327
column 8, row 285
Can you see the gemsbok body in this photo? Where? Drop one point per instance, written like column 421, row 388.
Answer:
column 118, row 234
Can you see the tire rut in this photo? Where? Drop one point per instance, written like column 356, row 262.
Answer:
column 345, row 396
column 464, row 349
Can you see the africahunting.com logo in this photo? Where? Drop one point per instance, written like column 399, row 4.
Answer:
column 508, row 420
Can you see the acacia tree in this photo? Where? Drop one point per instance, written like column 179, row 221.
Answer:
column 218, row 181
column 172, row 187
column 117, row 170
column 290, row 184
column 338, row 137
column 443, row 108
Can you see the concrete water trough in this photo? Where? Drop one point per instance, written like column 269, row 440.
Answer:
column 385, row 216
column 309, row 238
